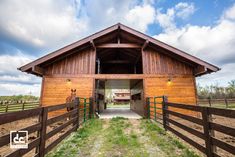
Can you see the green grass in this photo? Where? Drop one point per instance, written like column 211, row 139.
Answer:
column 121, row 137
column 167, row 143
column 72, row 145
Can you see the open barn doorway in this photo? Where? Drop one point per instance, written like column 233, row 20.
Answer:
column 119, row 98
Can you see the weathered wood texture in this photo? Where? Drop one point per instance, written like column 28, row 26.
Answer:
column 82, row 62
column 158, row 63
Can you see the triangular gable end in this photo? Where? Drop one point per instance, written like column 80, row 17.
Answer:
column 203, row 67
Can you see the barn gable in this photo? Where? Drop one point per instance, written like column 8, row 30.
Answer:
column 118, row 37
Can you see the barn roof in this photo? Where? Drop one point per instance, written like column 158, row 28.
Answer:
column 203, row 66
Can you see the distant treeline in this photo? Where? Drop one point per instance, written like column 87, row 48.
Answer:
column 216, row 91
column 19, row 98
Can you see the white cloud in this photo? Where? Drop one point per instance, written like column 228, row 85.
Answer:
column 44, row 23
column 184, row 10
column 140, row 17
column 180, row 10
column 215, row 44
column 133, row 13
column 13, row 81
column 16, row 89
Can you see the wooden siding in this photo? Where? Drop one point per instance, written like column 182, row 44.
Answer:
column 82, row 62
column 158, row 63
column 181, row 90
column 55, row 90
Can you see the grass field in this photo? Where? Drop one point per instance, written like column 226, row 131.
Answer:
column 18, row 107
column 121, row 137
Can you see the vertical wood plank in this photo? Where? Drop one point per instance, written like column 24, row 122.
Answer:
column 207, row 131
column 42, row 133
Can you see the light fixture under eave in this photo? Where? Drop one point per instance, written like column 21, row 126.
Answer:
column 68, row 81
column 169, row 81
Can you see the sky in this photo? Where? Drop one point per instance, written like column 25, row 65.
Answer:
column 30, row 29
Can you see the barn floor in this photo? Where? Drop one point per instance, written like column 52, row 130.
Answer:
column 119, row 112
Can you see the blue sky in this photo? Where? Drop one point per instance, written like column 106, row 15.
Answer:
column 30, row 29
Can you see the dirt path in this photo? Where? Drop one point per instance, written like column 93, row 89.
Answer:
column 121, row 137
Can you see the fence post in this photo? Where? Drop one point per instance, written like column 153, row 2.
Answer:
column 209, row 101
column 6, row 108
column 23, row 106
column 76, row 103
column 164, row 114
column 226, row 102
column 155, row 114
column 207, row 131
column 84, row 110
column 42, row 134
column 91, row 108
column 148, row 107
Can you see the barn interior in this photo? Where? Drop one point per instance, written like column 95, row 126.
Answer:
column 119, row 61
column 115, row 96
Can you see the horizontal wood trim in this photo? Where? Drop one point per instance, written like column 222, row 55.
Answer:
column 187, row 107
column 186, row 117
column 5, row 139
column 58, row 107
column 186, row 128
column 185, row 138
column 119, row 45
column 10, row 117
column 117, row 76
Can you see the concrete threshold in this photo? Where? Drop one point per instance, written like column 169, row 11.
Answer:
column 119, row 112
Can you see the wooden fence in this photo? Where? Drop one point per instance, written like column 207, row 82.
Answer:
column 18, row 106
column 169, row 112
column 82, row 110
column 222, row 103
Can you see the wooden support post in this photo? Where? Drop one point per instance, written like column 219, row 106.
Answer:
column 42, row 134
column 84, row 110
column 76, row 103
column 164, row 114
column 148, row 107
column 91, row 113
column 207, row 131
column 155, row 114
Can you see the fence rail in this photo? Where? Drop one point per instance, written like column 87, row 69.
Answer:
column 18, row 106
column 222, row 103
column 82, row 110
column 203, row 118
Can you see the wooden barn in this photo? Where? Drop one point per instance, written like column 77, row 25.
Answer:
column 150, row 67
